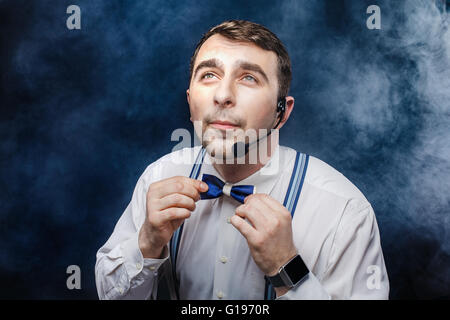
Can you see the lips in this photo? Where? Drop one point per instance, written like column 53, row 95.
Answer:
column 219, row 124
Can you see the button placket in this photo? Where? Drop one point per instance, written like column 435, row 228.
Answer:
column 222, row 266
column 225, row 247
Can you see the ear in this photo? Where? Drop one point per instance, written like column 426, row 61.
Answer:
column 287, row 113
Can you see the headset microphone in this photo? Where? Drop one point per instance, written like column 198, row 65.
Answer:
column 281, row 108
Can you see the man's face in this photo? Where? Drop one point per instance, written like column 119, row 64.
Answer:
column 234, row 87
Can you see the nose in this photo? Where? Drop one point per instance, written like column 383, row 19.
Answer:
column 225, row 97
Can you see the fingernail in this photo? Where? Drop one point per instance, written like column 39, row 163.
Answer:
column 204, row 186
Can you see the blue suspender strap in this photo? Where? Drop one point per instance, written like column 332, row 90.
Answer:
column 175, row 241
column 296, row 183
column 291, row 199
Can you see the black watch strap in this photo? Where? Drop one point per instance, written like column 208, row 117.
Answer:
column 275, row 280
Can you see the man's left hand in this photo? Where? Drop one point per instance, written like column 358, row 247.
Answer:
column 269, row 233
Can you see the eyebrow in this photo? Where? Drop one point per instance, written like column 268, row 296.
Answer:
column 210, row 63
column 242, row 64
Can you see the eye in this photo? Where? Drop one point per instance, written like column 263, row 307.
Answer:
column 249, row 78
column 208, row 75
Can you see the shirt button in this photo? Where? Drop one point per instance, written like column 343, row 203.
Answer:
column 138, row 266
column 120, row 290
column 220, row 294
column 228, row 220
column 223, row 259
column 152, row 268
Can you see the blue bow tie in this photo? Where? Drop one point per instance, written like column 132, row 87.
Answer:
column 217, row 188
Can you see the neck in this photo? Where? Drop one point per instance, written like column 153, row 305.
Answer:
column 236, row 172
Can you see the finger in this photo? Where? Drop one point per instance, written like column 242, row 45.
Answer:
column 261, row 206
column 254, row 216
column 171, row 214
column 274, row 206
column 243, row 227
column 176, row 200
column 187, row 186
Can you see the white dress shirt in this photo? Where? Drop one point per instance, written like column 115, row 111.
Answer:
column 334, row 230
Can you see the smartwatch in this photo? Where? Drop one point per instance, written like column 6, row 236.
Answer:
column 289, row 275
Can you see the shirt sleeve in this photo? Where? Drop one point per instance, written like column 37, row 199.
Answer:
column 121, row 272
column 308, row 289
column 355, row 267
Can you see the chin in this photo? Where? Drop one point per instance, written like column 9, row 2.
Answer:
column 220, row 150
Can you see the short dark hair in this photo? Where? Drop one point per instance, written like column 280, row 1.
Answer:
column 246, row 31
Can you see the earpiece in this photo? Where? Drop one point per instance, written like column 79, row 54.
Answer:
column 281, row 105
column 281, row 108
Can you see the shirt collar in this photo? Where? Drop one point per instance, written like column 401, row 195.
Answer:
column 264, row 179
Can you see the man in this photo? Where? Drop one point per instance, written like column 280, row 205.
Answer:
column 321, row 242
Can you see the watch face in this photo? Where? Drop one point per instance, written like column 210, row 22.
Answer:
column 296, row 269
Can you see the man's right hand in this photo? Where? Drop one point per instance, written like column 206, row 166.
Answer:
column 169, row 202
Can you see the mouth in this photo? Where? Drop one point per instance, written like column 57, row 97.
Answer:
column 219, row 124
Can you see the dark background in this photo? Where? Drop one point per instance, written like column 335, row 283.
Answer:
column 83, row 112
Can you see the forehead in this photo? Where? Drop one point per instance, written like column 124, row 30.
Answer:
column 229, row 51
